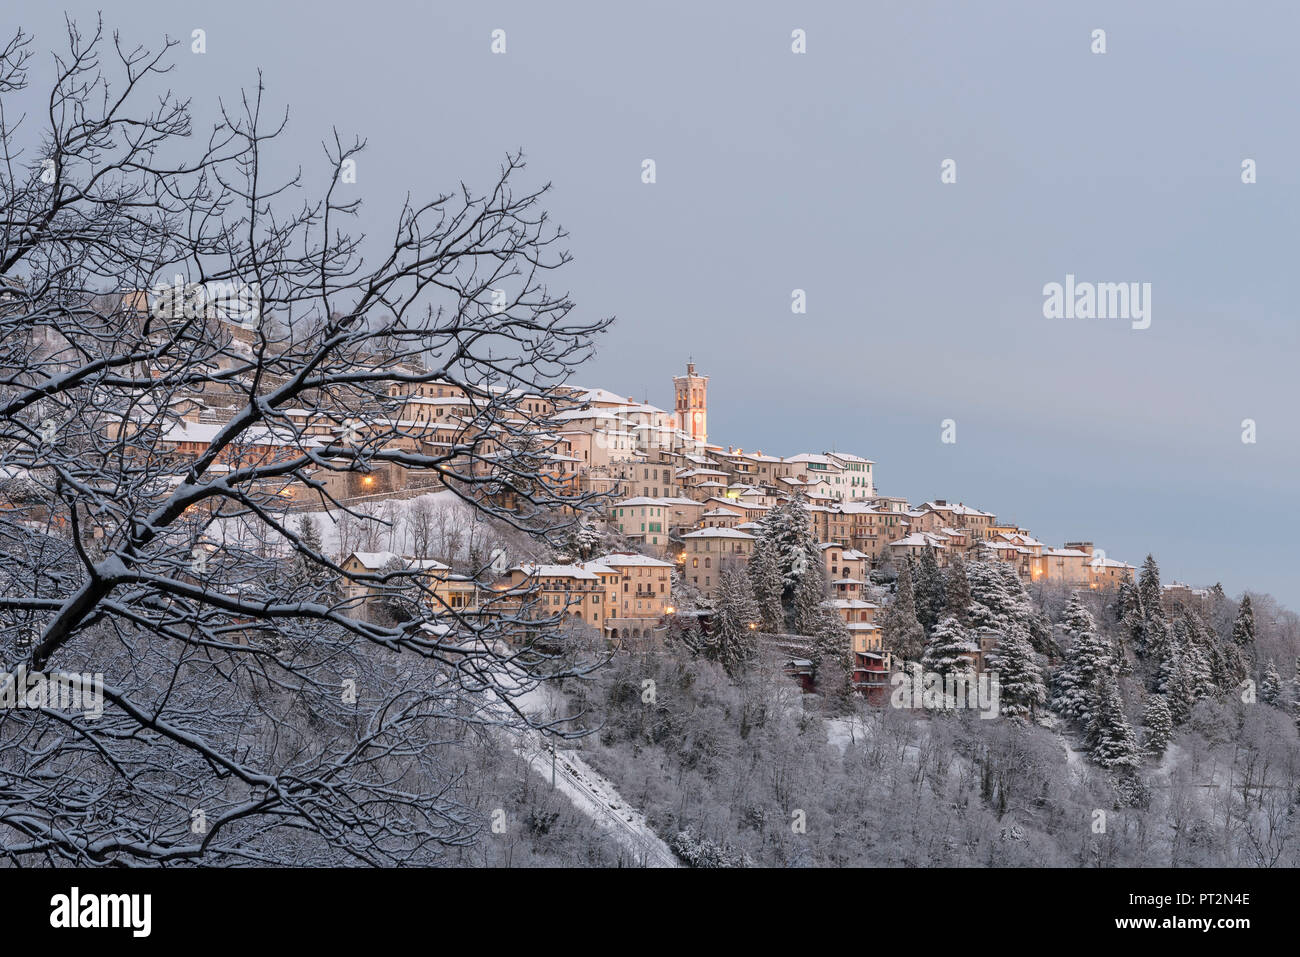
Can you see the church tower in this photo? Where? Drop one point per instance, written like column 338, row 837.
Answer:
column 692, row 403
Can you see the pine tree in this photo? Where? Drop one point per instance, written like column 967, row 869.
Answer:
column 1086, row 660
column 809, row 596
column 948, row 649
column 304, row 571
column 788, row 530
column 832, row 657
column 957, row 591
column 765, row 580
column 1198, row 668
column 1132, row 618
column 1159, row 724
column 1243, row 629
column 1020, row 682
column 1110, row 740
column 732, row 639
column 901, row 632
column 1270, row 686
column 1179, row 688
column 1235, row 667
column 684, row 632
column 1157, row 639
column 992, row 603
column 1295, row 698
column 931, row 596
column 1149, row 586
column 582, row 542
column 394, row 604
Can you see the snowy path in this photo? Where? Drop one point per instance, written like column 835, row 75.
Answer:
column 596, row 797
column 592, row 794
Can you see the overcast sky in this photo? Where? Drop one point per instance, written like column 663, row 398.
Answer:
column 820, row 171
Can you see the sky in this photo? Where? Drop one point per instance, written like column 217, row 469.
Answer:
column 820, row 171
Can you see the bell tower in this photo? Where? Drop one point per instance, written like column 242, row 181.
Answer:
column 692, row 403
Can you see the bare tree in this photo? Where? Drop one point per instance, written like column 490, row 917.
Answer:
column 419, row 522
column 187, row 349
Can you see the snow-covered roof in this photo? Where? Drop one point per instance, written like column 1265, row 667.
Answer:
column 859, row 508
column 719, row 533
column 375, row 560
column 807, row 457
column 555, row 571
column 920, row 539
column 630, row 559
column 603, row 395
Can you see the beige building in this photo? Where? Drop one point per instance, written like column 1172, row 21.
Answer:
column 707, row 551
column 642, row 588
column 581, row 592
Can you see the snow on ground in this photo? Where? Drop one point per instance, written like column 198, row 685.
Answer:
column 389, row 519
column 595, row 796
column 590, row 792
column 843, row 732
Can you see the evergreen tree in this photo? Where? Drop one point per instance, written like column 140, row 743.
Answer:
column 931, row 594
column 1086, row 660
column 1159, row 724
column 1270, row 686
column 394, row 602
column 1295, row 697
column 1235, row 667
column 1198, row 668
column 684, row 632
column 1149, row 586
column 1243, row 629
column 809, row 596
column 1020, row 682
column 1127, row 601
column 306, row 572
column 832, row 657
column 732, row 640
column 1157, row 639
column 992, row 603
column 883, row 569
column 788, row 529
column 957, row 591
column 948, row 649
column 582, row 542
column 767, row 584
column 901, row 632
column 1110, row 740
column 1179, row 687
